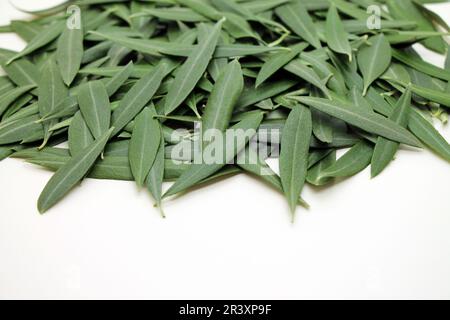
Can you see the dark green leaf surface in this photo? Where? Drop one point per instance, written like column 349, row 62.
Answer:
column 71, row 173
column 144, row 144
column 69, row 53
column 294, row 156
column 191, row 71
column 94, row 105
column 370, row 122
column 385, row 149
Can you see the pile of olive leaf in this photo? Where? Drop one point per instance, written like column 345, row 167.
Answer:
column 118, row 86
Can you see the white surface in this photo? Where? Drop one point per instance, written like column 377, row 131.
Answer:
column 385, row 238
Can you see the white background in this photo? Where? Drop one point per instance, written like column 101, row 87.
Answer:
column 382, row 238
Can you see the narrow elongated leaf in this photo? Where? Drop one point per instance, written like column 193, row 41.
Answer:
column 294, row 155
column 94, row 105
column 113, row 84
column 420, row 65
column 374, row 60
column 25, row 29
column 80, row 137
column 192, row 70
column 137, row 72
column 16, row 131
column 8, row 98
column 315, row 174
column 109, row 168
column 30, row 110
column 337, row 37
column 278, row 61
column 47, row 36
column 155, row 177
column 370, row 122
column 156, row 47
column 238, row 26
column 301, row 70
column 242, row 50
column 69, row 53
column 251, row 162
column 139, row 95
column 259, row 6
column 19, row 103
column 223, row 98
column 5, row 85
column 66, row 108
column 144, row 144
column 407, row 10
column 299, row 20
column 437, row 96
column 198, row 172
column 322, row 126
column 96, row 52
column 397, row 72
column 5, row 152
column 175, row 14
column 252, row 95
column 22, row 72
column 52, row 91
column 385, row 149
column 425, row 131
column 351, row 9
column 71, row 173
column 351, row 163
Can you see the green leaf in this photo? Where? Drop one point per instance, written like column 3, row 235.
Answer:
column 351, row 163
column 223, row 98
column 21, row 129
column 79, row 135
column 252, row 95
column 315, row 174
column 370, row 122
column 385, row 149
column 337, row 37
column 425, row 131
column 374, row 60
column 420, row 65
column 198, row 172
column 94, row 105
column 5, row 152
column 25, row 29
column 48, row 35
column 155, row 177
column 9, row 97
column 52, row 91
column 137, row 97
column 440, row 97
column 301, row 70
column 71, row 173
column 407, row 10
column 294, row 153
column 192, row 70
column 175, row 14
column 144, row 144
column 22, row 72
column 113, row 84
column 322, row 126
column 69, row 53
column 298, row 19
column 278, row 61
